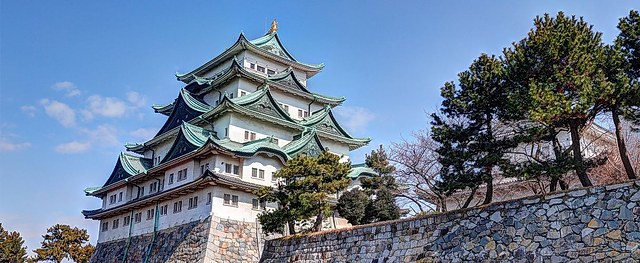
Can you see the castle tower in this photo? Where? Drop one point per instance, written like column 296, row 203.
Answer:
column 186, row 194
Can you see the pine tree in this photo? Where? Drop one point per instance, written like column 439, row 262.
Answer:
column 377, row 194
column 11, row 247
column 352, row 205
column 474, row 144
column 63, row 242
column 308, row 183
column 623, row 69
column 561, row 66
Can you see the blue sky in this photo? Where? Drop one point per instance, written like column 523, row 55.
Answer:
column 77, row 79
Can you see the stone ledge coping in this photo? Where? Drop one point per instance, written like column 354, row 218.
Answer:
column 437, row 217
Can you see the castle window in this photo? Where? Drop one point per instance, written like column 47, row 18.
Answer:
column 286, row 108
column 105, row 226
column 208, row 198
column 182, row 174
column 231, row 95
column 112, row 199
column 253, row 136
column 120, row 197
column 126, row 221
column 193, row 202
column 161, row 185
column 236, row 170
column 231, row 200
column 299, row 113
column 254, row 172
column 227, row 168
column 150, row 214
column 261, row 174
column 273, row 178
column 153, row 187
column 242, row 93
column 116, row 222
column 261, row 69
column 226, row 132
column 270, row 72
column 252, row 65
column 177, row 207
column 163, row 209
column 246, row 135
column 257, row 204
column 138, row 217
column 171, row 178
column 141, row 191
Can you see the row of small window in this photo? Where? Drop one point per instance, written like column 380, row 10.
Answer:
column 262, row 69
column 114, row 197
column 232, row 200
column 182, row 175
column 137, row 217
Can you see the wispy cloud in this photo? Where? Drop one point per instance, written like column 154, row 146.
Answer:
column 7, row 146
column 103, row 135
column 73, row 147
column 136, row 99
column 64, row 114
column 68, row 87
column 144, row 133
column 106, row 106
column 354, row 118
column 29, row 110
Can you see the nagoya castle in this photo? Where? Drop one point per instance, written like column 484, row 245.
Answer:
column 186, row 195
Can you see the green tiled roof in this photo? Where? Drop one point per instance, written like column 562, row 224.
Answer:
column 163, row 109
column 358, row 170
column 268, row 46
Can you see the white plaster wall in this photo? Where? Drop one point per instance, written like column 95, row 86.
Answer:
column 220, row 124
column 218, row 69
column 261, row 161
column 116, row 192
column 190, row 176
column 239, row 124
column 165, row 221
column 160, row 149
column 243, row 212
column 336, row 148
column 250, row 57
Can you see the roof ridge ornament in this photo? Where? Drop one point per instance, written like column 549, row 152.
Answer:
column 274, row 26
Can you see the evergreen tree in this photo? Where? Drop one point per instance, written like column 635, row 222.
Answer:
column 472, row 150
column 352, row 205
column 304, row 192
column 561, row 66
column 63, row 242
column 11, row 247
column 623, row 70
column 377, row 194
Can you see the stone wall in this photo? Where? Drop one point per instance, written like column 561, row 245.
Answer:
column 208, row 240
column 583, row 225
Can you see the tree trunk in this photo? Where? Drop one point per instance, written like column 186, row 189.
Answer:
column 292, row 227
column 577, row 156
column 466, row 203
column 488, row 197
column 563, row 184
column 318, row 224
column 622, row 147
column 554, row 184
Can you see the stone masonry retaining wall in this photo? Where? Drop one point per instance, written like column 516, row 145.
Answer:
column 209, row 240
column 583, row 225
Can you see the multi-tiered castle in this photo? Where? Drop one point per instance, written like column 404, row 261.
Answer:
column 238, row 119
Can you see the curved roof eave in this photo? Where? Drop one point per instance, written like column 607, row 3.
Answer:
column 243, row 44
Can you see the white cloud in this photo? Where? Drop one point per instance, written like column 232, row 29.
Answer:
column 354, row 118
column 144, row 133
column 103, row 135
column 136, row 99
column 68, row 87
column 59, row 111
column 29, row 110
column 6, row 146
column 73, row 147
column 108, row 107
